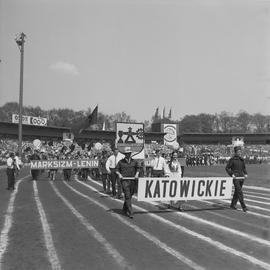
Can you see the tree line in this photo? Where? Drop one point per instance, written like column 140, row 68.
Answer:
column 223, row 122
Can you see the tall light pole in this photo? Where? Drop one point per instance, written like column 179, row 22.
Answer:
column 20, row 39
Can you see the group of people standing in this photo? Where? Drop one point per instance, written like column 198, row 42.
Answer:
column 120, row 175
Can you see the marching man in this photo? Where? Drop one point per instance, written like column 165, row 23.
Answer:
column 128, row 171
column 236, row 168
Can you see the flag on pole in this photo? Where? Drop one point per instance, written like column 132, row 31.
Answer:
column 91, row 119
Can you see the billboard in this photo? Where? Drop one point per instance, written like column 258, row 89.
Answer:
column 29, row 120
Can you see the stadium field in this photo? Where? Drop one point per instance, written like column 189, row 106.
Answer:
column 258, row 174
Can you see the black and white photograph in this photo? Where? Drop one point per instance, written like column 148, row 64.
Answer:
column 134, row 134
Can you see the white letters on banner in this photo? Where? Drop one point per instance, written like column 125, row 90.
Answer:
column 197, row 188
column 63, row 164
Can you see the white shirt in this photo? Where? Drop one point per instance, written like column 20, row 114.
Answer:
column 10, row 163
column 18, row 162
column 112, row 162
column 159, row 163
column 175, row 169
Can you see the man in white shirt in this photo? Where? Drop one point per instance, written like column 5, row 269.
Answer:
column 159, row 165
column 11, row 171
column 113, row 178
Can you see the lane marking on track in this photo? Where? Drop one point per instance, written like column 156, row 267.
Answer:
column 228, row 206
column 264, row 196
column 120, row 260
column 209, row 240
column 8, row 221
column 257, row 188
column 217, row 226
column 250, row 200
column 216, row 214
column 258, row 197
column 252, row 206
column 51, row 251
column 148, row 236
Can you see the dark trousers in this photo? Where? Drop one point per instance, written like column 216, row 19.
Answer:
column 128, row 186
column 11, row 178
column 157, row 173
column 114, row 179
column 105, row 182
column 67, row 174
column 34, row 174
column 238, row 193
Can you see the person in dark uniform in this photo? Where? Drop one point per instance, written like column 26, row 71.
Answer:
column 67, row 172
column 11, row 171
column 127, row 170
column 35, row 156
column 103, row 172
column 236, row 168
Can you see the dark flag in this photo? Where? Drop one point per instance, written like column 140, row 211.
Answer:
column 91, row 119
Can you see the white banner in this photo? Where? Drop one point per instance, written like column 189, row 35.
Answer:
column 132, row 135
column 187, row 188
column 171, row 134
column 29, row 120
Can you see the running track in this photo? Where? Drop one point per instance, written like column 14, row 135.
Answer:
column 73, row 225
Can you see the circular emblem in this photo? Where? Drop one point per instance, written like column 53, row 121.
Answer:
column 170, row 133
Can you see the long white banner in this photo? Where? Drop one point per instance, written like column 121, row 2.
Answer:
column 187, row 188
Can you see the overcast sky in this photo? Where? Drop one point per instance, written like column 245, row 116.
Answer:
column 194, row 56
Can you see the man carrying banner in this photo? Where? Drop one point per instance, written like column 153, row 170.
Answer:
column 236, row 168
column 128, row 171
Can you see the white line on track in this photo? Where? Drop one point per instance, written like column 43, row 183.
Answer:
column 217, row 226
column 253, row 206
column 8, row 222
column 250, row 200
column 257, row 188
column 209, row 240
column 258, row 197
column 257, row 193
column 120, row 260
column 249, row 212
column 51, row 251
column 148, row 236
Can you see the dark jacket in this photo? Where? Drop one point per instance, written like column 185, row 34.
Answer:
column 236, row 165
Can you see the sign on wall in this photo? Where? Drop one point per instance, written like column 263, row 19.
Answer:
column 30, row 120
column 132, row 135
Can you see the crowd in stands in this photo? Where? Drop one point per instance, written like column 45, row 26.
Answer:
column 195, row 155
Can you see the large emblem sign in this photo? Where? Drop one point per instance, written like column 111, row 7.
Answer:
column 171, row 134
column 132, row 135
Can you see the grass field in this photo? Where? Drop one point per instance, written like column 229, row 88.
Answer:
column 258, row 175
